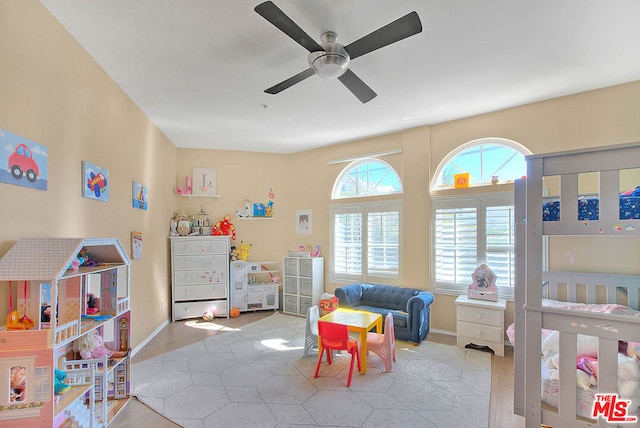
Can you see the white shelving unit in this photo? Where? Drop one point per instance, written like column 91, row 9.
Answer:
column 303, row 284
column 199, row 276
column 254, row 285
column 37, row 272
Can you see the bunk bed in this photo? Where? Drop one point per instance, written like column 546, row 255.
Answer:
column 566, row 315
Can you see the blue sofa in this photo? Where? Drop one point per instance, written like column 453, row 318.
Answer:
column 410, row 307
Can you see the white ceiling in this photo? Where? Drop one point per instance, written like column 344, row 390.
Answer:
column 199, row 68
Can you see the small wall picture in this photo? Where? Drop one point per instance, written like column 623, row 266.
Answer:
column 136, row 244
column 95, row 181
column 26, row 162
column 140, row 198
column 303, row 222
column 204, row 181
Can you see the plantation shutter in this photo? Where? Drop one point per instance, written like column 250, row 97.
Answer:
column 383, row 237
column 456, row 244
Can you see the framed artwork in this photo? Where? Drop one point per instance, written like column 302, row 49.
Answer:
column 136, row 244
column 140, row 198
column 26, row 162
column 95, row 182
column 303, row 222
column 204, row 181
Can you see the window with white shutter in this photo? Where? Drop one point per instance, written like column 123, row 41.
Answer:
column 469, row 231
column 366, row 242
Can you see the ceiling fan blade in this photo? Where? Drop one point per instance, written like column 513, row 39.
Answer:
column 357, row 86
column 277, row 17
column 290, row 81
column 393, row 32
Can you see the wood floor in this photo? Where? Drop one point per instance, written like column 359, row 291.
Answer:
column 178, row 334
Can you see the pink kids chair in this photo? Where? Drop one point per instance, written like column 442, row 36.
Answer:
column 384, row 345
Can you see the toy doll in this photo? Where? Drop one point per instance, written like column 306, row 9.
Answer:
column 92, row 345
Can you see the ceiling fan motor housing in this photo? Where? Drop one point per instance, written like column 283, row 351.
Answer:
column 333, row 61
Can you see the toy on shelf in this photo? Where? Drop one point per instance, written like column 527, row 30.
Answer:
column 245, row 211
column 13, row 320
column 60, row 388
column 92, row 304
column 269, row 208
column 243, row 251
column 224, row 227
column 91, row 345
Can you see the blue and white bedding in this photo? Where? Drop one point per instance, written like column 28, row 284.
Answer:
column 588, row 208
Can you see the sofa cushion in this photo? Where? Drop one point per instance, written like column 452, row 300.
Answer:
column 399, row 317
column 389, row 297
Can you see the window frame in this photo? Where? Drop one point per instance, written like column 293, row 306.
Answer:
column 364, row 208
column 515, row 146
column 335, row 192
column 480, row 201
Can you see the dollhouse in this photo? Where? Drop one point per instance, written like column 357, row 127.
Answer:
column 61, row 289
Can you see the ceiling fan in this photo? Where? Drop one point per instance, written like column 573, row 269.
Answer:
column 330, row 60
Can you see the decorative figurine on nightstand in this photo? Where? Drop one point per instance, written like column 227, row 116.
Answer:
column 484, row 284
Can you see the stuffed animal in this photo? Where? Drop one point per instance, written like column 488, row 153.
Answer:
column 243, row 251
column 59, row 387
column 245, row 211
column 224, row 227
column 633, row 349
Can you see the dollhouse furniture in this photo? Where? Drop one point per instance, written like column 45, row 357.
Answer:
column 199, row 276
column 410, row 307
column 44, row 272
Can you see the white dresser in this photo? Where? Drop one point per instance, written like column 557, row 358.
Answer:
column 303, row 284
column 199, row 276
column 481, row 322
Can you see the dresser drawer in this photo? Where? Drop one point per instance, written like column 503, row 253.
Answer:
column 193, row 292
column 193, row 247
column 218, row 262
column 194, row 277
column 480, row 331
column 478, row 315
column 183, row 310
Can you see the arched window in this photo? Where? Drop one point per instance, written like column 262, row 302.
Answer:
column 471, row 228
column 486, row 160
column 366, row 177
column 365, row 236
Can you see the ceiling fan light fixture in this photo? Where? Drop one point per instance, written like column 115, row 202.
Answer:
column 333, row 61
column 330, row 66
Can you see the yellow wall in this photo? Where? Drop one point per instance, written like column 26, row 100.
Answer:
column 53, row 93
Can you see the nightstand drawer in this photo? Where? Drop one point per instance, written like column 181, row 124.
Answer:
column 480, row 315
column 480, row 331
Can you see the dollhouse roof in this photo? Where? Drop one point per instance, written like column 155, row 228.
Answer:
column 45, row 259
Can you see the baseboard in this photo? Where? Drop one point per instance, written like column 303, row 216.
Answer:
column 447, row 332
column 153, row 334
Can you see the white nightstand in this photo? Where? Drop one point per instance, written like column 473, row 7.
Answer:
column 481, row 322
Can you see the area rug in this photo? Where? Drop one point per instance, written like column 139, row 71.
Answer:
column 256, row 376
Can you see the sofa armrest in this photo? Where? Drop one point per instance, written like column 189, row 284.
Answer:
column 418, row 315
column 420, row 301
column 349, row 295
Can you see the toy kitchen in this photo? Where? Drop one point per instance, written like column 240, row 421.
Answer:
column 254, row 285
